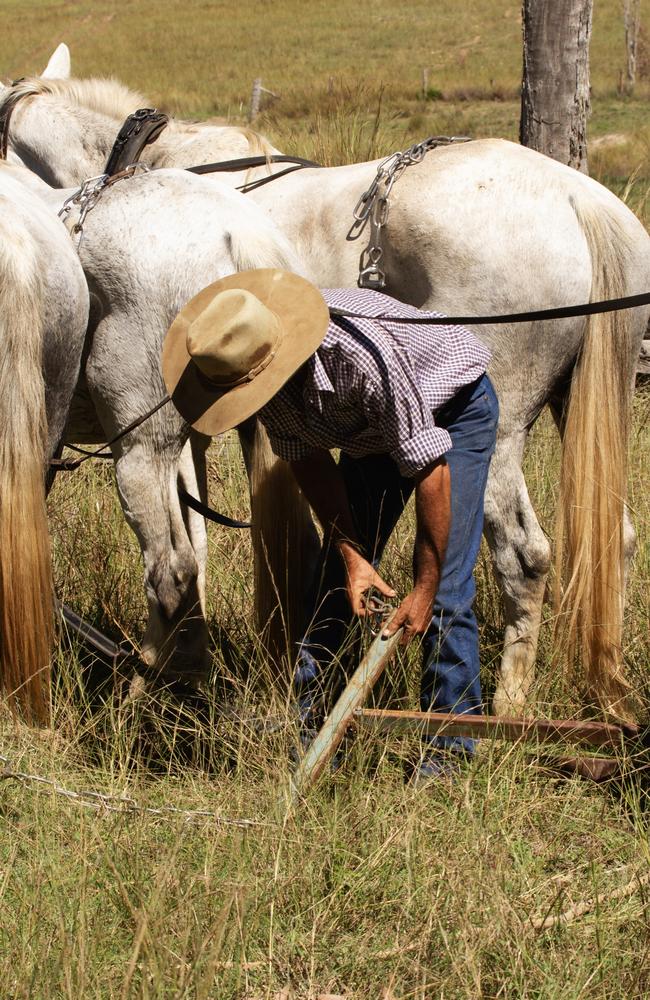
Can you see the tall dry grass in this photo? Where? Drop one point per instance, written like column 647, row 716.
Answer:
column 369, row 889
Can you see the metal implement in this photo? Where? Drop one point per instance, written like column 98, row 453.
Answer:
column 342, row 715
column 113, row 655
column 87, row 196
column 596, row 734
column 373, row 206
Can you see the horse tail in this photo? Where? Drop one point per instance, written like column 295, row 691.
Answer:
column 596, row 427
column 285, row 542
column 285, row 545
column 26, row 598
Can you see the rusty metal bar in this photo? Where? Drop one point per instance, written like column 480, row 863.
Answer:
column 340, row 718
column 109, row 652
column 597, row 734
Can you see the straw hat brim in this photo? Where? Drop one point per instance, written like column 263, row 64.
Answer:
column 304, row 317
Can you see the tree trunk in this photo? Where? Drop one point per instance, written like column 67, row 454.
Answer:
column 555, row 90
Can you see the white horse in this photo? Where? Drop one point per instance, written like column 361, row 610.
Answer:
column 43, row 318
column 478, row 228
column 150, row 244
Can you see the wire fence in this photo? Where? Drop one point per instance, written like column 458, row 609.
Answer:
column 102, row 802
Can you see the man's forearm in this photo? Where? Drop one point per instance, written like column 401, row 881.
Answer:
column 433, row 516
column 320, row 479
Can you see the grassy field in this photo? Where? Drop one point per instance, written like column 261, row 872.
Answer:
column 369, row 890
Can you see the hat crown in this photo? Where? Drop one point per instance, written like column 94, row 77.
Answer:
column 233, row 338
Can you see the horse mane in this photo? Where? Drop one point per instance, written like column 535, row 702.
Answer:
column 105, row 96
column 109, row 97
column 257, row 144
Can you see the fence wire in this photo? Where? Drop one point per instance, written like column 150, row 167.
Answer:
column 102, row 802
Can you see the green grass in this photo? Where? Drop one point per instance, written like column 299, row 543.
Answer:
column 369, row 889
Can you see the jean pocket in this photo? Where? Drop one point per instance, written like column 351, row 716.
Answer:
column 490, row 405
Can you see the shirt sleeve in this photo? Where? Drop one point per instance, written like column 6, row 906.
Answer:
column 393, row 404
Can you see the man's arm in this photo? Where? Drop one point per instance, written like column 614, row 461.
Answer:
column 321, row 481
column 433, row 514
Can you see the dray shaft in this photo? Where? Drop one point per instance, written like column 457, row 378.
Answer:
column 595, row 734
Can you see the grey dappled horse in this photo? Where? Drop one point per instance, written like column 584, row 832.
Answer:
column 149, row 245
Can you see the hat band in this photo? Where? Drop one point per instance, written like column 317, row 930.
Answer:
column 248, row 377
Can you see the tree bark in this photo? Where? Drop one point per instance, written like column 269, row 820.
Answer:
column 555, row 91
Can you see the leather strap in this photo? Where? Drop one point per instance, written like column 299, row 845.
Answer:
column 139, row 130
column 247, row 163
column 563, row 312
column 208, row 512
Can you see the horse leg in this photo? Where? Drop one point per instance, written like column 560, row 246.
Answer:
column 521, row 557
column 176, row 638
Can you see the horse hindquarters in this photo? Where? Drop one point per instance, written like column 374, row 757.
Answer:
column 26, row 601
column 596, row 424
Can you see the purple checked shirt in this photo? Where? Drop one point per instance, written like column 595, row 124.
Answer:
column 373, row 386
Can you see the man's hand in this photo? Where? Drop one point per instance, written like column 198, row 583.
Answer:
column 413, row 615
column 362, row 577
column 432, row 513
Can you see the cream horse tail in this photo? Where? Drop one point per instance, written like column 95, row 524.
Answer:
column 593, row 482
column 285, row 543
column 26, row 599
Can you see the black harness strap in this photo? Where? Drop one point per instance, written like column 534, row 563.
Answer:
column 248, row 162
column 69, row 464
column 144, row 127
column 9, row 105
column 208, row 512
column 563, row 312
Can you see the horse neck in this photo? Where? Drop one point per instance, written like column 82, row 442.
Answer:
column 63, row 144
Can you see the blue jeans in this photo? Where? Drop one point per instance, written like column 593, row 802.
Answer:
column 377, row 494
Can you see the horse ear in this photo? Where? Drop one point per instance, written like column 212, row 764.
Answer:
column 58, row 67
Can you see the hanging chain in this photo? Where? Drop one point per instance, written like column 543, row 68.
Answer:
column 87, row 196
column 373, row 206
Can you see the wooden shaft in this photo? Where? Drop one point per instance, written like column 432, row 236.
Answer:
column 596, row 734
column 340, row 718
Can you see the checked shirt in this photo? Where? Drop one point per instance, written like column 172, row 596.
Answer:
column 373, row 387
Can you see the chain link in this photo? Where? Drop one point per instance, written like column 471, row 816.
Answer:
column 373, row 206
column 87, row 196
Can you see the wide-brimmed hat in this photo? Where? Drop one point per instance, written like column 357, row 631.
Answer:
column 237, row 342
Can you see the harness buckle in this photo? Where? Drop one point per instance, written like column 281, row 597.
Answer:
column 371, row 277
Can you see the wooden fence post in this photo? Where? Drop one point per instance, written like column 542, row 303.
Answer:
column 256, row 97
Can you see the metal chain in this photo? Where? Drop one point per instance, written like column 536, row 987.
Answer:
column 373, row 206
column 104, row 803
column 87, row 196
